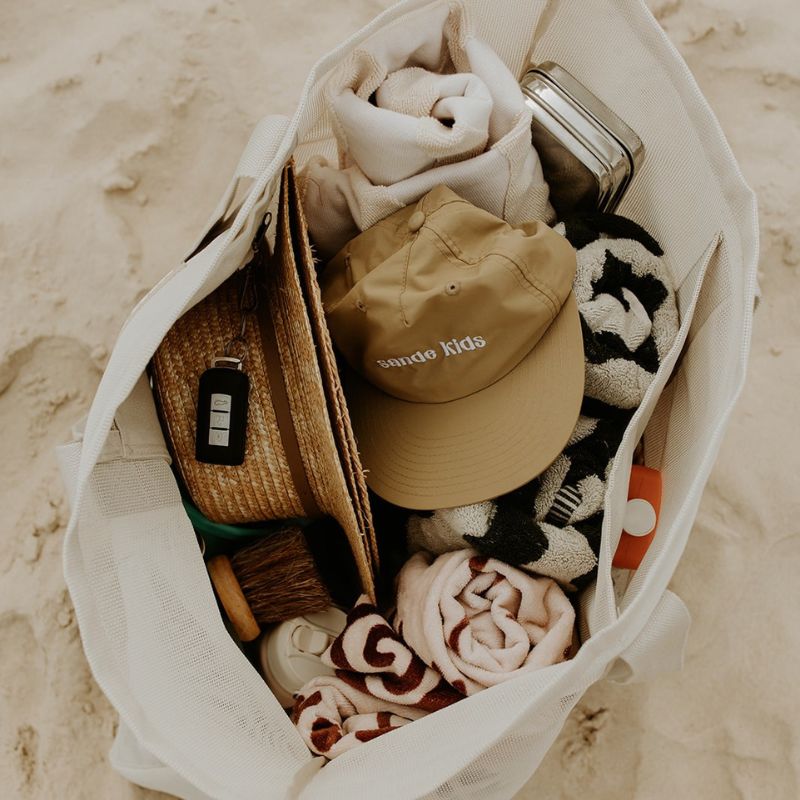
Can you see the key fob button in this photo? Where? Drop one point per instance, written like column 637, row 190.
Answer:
column 218, row 438
column 220, row 402
column 219, row 419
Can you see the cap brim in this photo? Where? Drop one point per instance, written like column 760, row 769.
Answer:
column 440, row 455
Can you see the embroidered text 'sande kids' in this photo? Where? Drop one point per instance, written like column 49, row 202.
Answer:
column 454, row 347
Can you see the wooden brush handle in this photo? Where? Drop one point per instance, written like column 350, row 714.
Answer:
column 232, row 598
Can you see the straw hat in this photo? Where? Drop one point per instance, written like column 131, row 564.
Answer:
column 300, row 454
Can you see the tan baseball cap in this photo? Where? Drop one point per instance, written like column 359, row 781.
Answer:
column 465, row 350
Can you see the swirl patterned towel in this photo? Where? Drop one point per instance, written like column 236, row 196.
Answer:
column 380, row 684
column 481, row 622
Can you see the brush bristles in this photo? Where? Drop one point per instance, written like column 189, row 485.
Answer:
column 279, row 577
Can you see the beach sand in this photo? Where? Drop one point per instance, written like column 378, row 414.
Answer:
column 115, row 117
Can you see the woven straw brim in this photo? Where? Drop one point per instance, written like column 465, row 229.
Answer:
column 262, row 487
column 300, row 458
column 337, row 405
column 320, row 441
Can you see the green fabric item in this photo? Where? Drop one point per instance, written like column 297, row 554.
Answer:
column 220, row 538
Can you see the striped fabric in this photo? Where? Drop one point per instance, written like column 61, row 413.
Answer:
column 565, row 503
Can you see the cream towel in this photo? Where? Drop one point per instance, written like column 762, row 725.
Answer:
column 413, row 108
column 479, row 621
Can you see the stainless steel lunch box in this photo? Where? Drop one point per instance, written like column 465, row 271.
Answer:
column 588, row 154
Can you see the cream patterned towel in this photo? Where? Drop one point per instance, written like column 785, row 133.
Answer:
column 481, row 622
column 418, row 105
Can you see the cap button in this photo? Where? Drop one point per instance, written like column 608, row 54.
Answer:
column 416, row 221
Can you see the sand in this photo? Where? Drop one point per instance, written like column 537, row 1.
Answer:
column 119, row 125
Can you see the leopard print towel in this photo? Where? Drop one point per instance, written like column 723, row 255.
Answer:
column 629, row 317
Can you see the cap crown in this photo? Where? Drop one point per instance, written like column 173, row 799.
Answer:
column 442, row 299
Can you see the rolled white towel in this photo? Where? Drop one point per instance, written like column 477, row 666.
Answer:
column 444, row 110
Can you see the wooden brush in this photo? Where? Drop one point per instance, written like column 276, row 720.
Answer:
column 272, row 580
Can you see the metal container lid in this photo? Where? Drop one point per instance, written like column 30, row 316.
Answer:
column 587, row 150
column 603, row 116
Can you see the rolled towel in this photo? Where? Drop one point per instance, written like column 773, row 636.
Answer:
column 626, row 299
column 379, row 685
column 481, row 622
column 446, row 117
column 412, row 109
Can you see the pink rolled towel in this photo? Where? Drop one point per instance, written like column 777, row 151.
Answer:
column 479, row 621
column 380, row 684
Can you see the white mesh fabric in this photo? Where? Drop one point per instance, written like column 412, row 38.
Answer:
column 451, row 750
column 687, row 164
column 166, row 649
column 151, row 629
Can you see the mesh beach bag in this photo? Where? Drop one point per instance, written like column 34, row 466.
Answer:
column 196, row 719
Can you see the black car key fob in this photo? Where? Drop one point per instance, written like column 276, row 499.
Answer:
column 222, row 413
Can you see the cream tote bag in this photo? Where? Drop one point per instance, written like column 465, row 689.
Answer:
column 196, row 720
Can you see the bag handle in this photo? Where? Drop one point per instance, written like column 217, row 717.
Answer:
column 255, row 158
column 260, row 146
column 661, row 645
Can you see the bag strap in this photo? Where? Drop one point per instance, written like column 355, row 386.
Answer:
column 661, row 645
column 260, row 146
column 255, row 158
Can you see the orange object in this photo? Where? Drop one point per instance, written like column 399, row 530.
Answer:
column 641, row 517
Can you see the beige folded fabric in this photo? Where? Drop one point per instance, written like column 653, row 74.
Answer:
column 415, row 107
column 480, row 621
